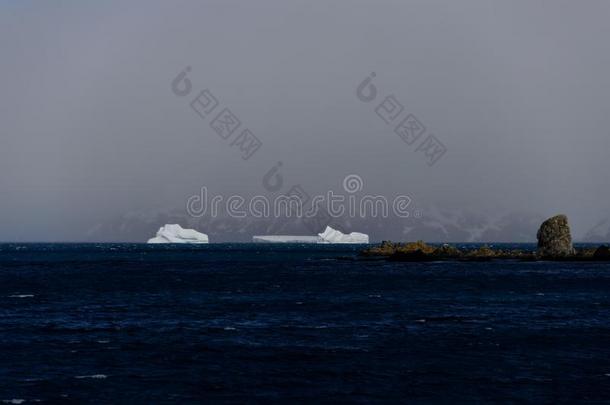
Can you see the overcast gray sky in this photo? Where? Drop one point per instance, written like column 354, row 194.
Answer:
column 518, row 92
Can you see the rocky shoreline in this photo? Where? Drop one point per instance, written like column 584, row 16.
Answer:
column 554, row 244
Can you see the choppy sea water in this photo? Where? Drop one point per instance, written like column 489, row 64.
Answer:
column 294, row 324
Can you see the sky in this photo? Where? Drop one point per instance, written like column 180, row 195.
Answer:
column 517, row 92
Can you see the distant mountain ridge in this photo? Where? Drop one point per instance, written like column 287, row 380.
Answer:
column 435, row 225
column 599, row 233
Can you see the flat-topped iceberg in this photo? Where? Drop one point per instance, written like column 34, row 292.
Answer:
column 285, row 239
column 173, row 233
column 331, row 235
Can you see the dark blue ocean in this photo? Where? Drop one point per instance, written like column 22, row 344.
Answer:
column 296, row 324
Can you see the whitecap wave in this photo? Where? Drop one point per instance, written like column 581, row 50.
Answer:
column 94, row 376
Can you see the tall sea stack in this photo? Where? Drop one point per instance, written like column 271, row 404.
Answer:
column 554, row 239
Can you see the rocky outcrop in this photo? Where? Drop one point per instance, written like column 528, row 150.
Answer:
column 554, row 238
column 388, row 249
column 602, row 253
column 554, row 243
column 447, row 252
column 422, row 252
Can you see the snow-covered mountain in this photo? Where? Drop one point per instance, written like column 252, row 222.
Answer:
column 599, row 233
column 451, row 225
column 434, row 225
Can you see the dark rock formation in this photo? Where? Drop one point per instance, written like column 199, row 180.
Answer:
column 388, row 248
column 554, row 243
column 447, row 252
column 602, row 253
column 483, row 253
column 554, row 239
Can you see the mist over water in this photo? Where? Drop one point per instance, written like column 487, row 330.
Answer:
column 93, row 135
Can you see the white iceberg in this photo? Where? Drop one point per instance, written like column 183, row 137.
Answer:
column 285, row 239
column 173, row 233
column 331, row 235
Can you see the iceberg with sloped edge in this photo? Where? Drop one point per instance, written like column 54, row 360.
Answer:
column 173, row 233
column 285, row 239
column 331, row 235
